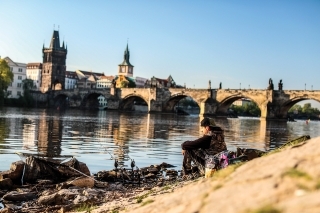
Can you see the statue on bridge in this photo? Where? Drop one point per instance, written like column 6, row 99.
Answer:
column 209, row 87
column 270, row 87
column 113, row 83
column 220, row 85
column 280, row 85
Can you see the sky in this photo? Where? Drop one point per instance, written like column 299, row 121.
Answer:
column 238, row 43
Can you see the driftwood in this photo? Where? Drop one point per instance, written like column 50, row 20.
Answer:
column 40, row 168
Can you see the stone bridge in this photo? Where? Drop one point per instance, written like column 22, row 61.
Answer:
column 274, row 104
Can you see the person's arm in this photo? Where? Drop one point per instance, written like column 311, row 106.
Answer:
column 203, row 142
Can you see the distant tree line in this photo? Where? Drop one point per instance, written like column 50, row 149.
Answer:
column 185, row 102
column 249, row 109
column 304, row 112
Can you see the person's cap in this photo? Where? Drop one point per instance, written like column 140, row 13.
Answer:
column 207, row 122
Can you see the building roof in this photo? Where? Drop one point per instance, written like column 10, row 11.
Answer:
column 107, row 77
column 34, row 65
column 71, row 74
column 18, row 64
column 91, row 76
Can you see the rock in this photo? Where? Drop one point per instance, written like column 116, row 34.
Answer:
column 107, row 175
column 6, row 183
column 150, row 175
column 166, row 165
column 15, row 172
column 80, row 166
column 53, row 199
column 82, row 182
column 69, row 193
column 63, row 185
column 81, row 199
column 6, row 210
column 16, row 196
column 153, row 170
column 84, row 168
column 171, row 172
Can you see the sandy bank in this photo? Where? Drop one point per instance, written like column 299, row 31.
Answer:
column 286, row 181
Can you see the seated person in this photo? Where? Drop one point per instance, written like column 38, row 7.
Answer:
column 211, row 143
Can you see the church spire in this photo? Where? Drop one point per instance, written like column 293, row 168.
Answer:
column 126, row 57
column 55, row 41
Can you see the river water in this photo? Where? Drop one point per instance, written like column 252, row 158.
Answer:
column 98, row 137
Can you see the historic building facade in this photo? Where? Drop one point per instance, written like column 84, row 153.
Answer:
column 54, row 65
column 33, row 72
column 15, row 89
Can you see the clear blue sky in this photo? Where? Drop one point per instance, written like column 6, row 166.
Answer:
column 234, row 42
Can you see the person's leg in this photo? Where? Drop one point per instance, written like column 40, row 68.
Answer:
column 186, row 165
column 198, row 158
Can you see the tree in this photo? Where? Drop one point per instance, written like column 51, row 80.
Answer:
column 123, row 84
column 6, row 77
column 27, row 99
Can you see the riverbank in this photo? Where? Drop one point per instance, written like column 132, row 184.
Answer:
column 285, row 181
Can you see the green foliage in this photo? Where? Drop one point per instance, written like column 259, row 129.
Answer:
column 27, row 99
column 185, row 102
column 140, row 198
column 123, row 84
column 147, row 202
column 6, row 77
column 305, row 111
column 295, row 173
column 266, row 209
column 249, row 109
column 85, row 208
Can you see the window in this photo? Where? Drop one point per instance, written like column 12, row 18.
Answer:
column 9, row 92
column 19, row 93
column 19, row 77
column 20, row 70
column 18, row 84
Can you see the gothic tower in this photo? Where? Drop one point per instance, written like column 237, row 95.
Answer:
column 54, row 65
column 125, row 68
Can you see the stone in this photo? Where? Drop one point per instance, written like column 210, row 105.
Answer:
column 82, row 182
column 53, row 199
column 6, row 183
column 15, row 172
column 6, row 210
column 16, row 196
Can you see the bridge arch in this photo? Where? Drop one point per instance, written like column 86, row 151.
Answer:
column 128, row 102
column 90, row 101
column 60, row 101
column 224, row 105
column 284, row 108
column 57, row 85
column 170, row 104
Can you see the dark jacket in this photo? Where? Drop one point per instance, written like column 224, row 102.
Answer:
column 212, row 143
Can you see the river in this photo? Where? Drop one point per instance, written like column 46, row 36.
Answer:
column 98, row 137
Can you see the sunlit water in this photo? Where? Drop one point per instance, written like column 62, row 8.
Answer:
column 98, row 137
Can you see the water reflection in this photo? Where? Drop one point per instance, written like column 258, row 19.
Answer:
column 98, row 137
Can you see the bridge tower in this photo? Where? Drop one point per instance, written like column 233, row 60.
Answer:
column 125, row 68
column 54, row 65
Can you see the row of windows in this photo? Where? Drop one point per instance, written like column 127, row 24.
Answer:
column 19, row 69
column 9, row 92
